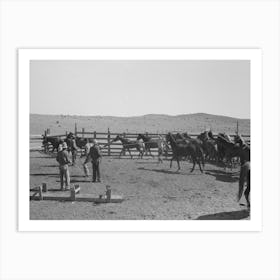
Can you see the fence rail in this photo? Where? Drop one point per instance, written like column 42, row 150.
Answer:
column 105, row 138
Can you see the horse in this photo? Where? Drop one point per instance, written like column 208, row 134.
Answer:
column 209, row 145
column 150, row 143
column 129, row 144
column 183, row 150
column 55, row 141
column 245, row 174
column 81, row 142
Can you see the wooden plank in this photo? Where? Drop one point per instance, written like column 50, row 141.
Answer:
column 64, row 196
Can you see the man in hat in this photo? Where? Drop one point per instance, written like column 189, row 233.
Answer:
column 63, row 159
column 72, row 146
column 95, row 157
column 87, row 149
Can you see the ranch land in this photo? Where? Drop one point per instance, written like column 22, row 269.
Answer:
column 150, row 190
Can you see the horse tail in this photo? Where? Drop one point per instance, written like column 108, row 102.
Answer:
column 244, row 173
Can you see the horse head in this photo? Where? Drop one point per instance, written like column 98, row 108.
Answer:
column 140, row 136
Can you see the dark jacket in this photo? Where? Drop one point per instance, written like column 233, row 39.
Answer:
column 94, row 154
column 63, row 157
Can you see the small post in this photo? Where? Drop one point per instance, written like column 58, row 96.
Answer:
column 237, row 128
column 44, row 187
column 109, row 140
column 76, row 129
column 108, row 193
column 40, row 193
column 73, row 193
column 45, row 145
column 77, row 188
column 66, row 133
column 94, row 135
column 48, row 131
column 83, row 132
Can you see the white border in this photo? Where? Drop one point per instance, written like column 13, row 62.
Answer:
column 24, row 57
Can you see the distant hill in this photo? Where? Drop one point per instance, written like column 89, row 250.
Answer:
column 157, row 123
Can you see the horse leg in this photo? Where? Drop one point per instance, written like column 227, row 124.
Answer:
column 178, row 163
column 198, row 161
column 194, row 162
column 121, row 152
column 171, row 161
column 130, row 153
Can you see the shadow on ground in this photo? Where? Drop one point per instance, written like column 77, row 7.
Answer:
column 165, row 171
column 233, row 215
column 223, row 176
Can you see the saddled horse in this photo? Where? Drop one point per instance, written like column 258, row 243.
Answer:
column 181, row 150
column 53, row 140
column 129, row 144
column 81, row 142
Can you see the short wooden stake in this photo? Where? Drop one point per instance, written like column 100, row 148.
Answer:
column 44, row 187
column 108, row 193
column 40, row 193
column 73, row 194
column 77, row 188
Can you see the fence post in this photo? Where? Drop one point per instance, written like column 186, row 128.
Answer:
column 94, row 135
column 83, row 132
column 45, row 145
column 75, row 129
column 237, row 128
column 48, row 131
column 66, row 133
column 109, row 140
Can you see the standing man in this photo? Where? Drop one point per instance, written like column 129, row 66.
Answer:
column 95, row 156
column 87, row 149
column 72, row 146
column 63, row 159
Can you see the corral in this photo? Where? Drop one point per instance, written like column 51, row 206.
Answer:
column 150, row 190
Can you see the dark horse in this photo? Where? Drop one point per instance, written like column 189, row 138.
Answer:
column 183, row 150
column 209, row 145
column 129, row 144
column 54, row 141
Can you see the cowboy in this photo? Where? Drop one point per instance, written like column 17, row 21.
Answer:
column 72, row 146
column 63, row 159
column 87, row 149
column 95, row 157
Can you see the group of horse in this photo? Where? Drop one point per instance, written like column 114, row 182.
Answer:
column 216, row 149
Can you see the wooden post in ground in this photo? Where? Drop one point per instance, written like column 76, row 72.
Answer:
column 48, row 131
column 45, row 145
column 44, row 187
column 40, row 193
column 76, row 129
column 66, row 133
column 109, row 140
column 94, row 135
column 237, row 128
column 83, row 132
column 73, row 194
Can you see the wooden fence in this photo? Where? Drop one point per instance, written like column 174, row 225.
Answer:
column 104, row 138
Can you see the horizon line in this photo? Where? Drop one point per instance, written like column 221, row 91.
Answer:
column 137, row 116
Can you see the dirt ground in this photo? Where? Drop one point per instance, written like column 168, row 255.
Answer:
column 151, row 191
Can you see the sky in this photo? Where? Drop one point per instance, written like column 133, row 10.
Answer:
column 135, row 88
